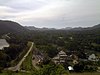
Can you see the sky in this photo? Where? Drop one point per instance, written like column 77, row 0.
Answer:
column 51, row 13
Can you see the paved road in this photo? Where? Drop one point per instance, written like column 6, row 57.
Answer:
column 17, row 67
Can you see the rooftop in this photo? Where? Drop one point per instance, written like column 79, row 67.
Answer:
column 62, row 53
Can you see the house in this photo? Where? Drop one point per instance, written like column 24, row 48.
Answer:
column 3, row 44
column 72, row 59
column 60, row 58
column 39, row 58
column 93, row 57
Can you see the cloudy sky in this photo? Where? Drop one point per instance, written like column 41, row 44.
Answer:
column 51, row 13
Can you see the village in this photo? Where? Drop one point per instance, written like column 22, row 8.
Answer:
column 71, row 60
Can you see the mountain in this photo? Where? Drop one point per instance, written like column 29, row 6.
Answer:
column 66, row 28
column 41, row 29
column 11, row 27
column 95, row 27
column 31, row 28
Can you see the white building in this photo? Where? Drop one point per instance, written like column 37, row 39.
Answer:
column 92, row 57
column 3, row 44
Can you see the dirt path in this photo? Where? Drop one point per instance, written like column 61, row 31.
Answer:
column 34, row 62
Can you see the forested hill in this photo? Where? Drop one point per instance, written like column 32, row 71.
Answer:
column 94, row 30
column 96, row 27
column 11, row 27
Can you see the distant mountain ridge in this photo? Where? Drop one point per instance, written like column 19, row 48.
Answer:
column 96, row 27
column 14, row 27
column 66, row 28
column 11, row 27
column 35, row 28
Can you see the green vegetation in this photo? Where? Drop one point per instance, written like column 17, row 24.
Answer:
column 20, row 56
column 13, row 53
column 53, row 70
column 27, row 64
column 46, row 70
column 49, row 42
column 86, row 73
column 14, row 73
column 36, row 73
column 86, row 66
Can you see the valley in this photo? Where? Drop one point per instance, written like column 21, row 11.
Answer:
column 50, row 51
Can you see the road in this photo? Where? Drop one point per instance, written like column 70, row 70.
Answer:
column 17, row 67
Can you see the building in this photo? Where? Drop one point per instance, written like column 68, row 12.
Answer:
column 3, row 44
column 93, row 57
column 72, row 59
column 60, row 58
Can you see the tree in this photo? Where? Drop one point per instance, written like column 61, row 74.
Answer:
column 78, row 67
column 52, row 69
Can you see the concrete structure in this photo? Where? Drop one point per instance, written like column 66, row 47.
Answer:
column 92, row 57
column 3, row 44
column 60, row 58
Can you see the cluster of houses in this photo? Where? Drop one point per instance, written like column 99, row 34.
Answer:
column 62, row 57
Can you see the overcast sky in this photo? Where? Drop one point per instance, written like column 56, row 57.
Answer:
column 51, row 13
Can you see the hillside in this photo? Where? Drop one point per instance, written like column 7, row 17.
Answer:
column 96, row 27
column 11, row 27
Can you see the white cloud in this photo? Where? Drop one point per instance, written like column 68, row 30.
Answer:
column 57, row 13
column 6, row 11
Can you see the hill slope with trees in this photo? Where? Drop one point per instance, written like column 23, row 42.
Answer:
column 11, row 27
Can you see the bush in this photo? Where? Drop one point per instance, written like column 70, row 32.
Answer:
column 78, row 68
column 90, row 68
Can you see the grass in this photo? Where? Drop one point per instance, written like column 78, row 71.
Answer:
column 27, row 64
column 32, row 73
column 14, row 73
column 15, row 62
column 86, row 73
